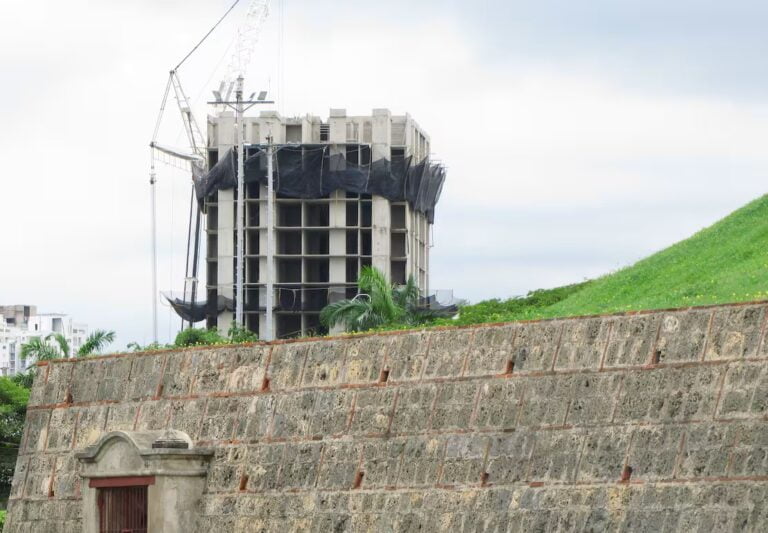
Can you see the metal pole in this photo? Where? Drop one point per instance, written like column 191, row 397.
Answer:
column 152, row 180
column 240, row 203
column 270, row 333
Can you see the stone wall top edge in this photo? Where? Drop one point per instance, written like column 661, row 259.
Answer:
column 354, row 336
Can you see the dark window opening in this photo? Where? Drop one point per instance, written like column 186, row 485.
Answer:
column 318, row 215
column 352, row 242
column 289, row 270
column 288, row 326
column 365, row 242
column 317, row 243
column 365, row 214
column 398, row 216
column 397, row 244
column 252, row 270
column 365, row 155
column 289, row 215
column 352, row 154
column 314, row 327
column 317, row 270
column 351, row 275
column 351, row 213
column 213, row 217
column 397, row 153
column 253, row 215
column 252, row 243
column 325, row 131
column 252, row 190
column 289, row 242
column 398, row 272
column 315, row 298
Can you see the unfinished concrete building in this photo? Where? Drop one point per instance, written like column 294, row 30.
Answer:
column 350, row 191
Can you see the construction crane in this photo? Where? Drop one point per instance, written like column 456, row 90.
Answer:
column 197, row 160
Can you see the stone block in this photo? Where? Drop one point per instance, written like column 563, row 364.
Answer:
column 422, row 457
column 116, row 372
column 35, row 430
column 407, row 355
column 706, row 451
column 745, row 391
column 448, row 350
column 263, row 466
column 546, row 400
column 654, row 452
column 632, row 339
column 121, row 416
column 66, row 479
column 593, row 398
column 365, row 358
column 39, row 476
column 91, row 422
column 373, row 411
column 38, row 392
column 287, row 364
column 177, row 377
column 491, row 350
column 86, row 376
column 153, row 415
column 464, row 459
column 535, row 346
column 146, row 372
column 19, row 475
column 583, row 343
column 325, row 363
column 499, row 403
column 60, row 432
column 222, row 416
column 187, row 416
column 735, row 332
column 749, row 456
column 603, row 455
column 300, row 465
column 293, row 414
column 454, row 406
column 509, row 456
column 211, row 370
column 249, row 367
column 414, row 408
column 554, row 456
column 340, row 463
column 381, row 463
column 333, row 409
column 56, row 386
column 256, row 419
column 683, row 335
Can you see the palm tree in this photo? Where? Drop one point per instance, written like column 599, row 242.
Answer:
column 378, row 304
column 42, row 350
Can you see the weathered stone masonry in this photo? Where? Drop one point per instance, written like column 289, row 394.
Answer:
column 650, row 421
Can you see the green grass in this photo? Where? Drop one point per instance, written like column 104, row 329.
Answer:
column 726, row 262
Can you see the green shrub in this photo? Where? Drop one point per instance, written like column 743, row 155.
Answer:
column 198, row 336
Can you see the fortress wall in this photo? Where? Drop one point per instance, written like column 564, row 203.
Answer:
column 649, row 421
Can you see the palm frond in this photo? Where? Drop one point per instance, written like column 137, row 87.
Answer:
column 38, row 349
column 95, row 342
column 406, row 296
column 61, row 340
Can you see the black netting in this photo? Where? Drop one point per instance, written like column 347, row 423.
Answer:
column 310, row 171
column 199, row 310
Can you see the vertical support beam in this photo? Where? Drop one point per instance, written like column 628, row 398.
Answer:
column 226, row 215
column 269, row 333
column 380, row 212
column 239, row 262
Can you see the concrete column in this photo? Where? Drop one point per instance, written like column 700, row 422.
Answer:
column 338, row 213
column 226, row 228
column 380, row 212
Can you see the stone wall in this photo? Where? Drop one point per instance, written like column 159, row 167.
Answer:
column 649, row 421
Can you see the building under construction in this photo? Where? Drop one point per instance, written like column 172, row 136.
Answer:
column 350, row 191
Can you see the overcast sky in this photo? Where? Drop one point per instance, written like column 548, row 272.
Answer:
column 578, row 136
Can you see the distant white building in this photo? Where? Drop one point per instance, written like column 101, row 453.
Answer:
column 20, row 323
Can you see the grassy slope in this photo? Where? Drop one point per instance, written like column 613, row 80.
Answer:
column 727, row 262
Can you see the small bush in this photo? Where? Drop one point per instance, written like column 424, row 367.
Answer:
column 198, row 336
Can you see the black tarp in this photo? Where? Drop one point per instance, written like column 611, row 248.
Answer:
column 310, row 171
column 199, row 310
